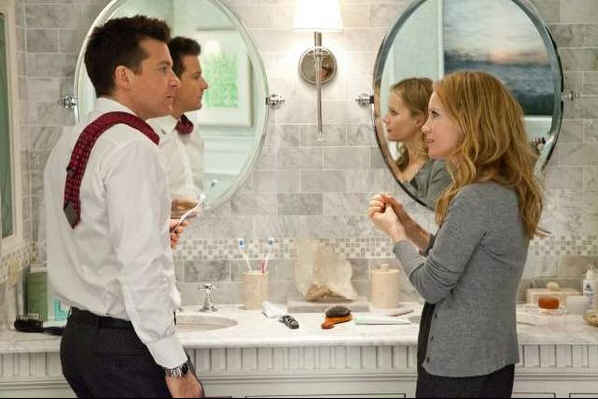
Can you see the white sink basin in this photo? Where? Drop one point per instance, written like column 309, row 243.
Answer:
column 202, row 322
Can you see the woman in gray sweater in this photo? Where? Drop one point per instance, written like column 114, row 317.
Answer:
column 470, row 272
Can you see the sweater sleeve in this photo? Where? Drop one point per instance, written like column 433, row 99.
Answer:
column 456, row 240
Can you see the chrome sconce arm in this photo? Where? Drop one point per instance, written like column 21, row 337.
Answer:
column 318, row 54
column 318, row 67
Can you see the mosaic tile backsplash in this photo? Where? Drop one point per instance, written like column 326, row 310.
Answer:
column 18, row 259
column 208, row 250
column 302, row 187
column 561, row 258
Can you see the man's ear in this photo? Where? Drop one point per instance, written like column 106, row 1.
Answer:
column 123, row 77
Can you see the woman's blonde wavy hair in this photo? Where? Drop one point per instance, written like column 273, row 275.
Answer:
column 415, row 93
column 493, row 146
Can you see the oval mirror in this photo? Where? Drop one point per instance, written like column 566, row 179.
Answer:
column 432, row 38
column 232, row 120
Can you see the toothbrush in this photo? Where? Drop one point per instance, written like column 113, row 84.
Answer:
column 244, row 253
column 268, row 254
column 201, row 204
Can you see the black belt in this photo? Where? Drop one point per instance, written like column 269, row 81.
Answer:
column 86, row 317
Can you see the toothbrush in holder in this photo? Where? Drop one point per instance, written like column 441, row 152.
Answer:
column 268, row 255
column 243, row 251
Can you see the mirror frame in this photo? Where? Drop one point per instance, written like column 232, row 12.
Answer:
column 555, row 66
column 257, row 66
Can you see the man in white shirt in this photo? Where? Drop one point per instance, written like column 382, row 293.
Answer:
column 107, row 213
column 175, row 160
column 181, row 145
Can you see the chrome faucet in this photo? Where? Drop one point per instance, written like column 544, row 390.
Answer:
column 208, row 303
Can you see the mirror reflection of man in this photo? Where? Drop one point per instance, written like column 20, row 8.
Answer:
column 182, row 147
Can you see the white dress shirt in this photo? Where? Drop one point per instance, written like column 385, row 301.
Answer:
column 117, row 262
column 174, row 158
column 195, row 146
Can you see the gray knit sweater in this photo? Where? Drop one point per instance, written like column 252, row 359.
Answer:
column 472, row 274
column 430, row 181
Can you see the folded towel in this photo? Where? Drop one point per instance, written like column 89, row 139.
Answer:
column 381, row 320
column 530, row 319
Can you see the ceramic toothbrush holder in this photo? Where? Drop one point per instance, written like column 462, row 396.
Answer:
column 254, row 289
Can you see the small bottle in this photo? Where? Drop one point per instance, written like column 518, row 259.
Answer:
column 589, row 288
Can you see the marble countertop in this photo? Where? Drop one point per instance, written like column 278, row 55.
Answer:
column 253, row 329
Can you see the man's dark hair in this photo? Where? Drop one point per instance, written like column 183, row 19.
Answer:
column 180, row 47
column 117, row 43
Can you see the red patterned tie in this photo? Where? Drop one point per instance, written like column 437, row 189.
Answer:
column 80, row 156
column 184, row 125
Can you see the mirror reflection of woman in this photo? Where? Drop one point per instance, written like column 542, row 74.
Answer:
column 407, row 113
column 471, row 269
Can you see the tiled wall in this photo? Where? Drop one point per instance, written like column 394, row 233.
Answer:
column 304, row 188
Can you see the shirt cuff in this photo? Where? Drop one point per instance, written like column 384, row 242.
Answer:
column 168, row 352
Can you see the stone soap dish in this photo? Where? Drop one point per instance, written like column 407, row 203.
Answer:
column 360, row 304
column 536, row 310
column 553, row 312
column 591, row 317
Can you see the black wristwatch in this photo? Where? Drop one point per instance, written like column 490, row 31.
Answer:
column 177, row 372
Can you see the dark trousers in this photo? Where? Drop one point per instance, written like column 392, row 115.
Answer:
column 103, row 357
column 498, row 384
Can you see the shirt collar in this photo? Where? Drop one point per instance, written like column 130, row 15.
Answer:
column 166, row 123
column 105, row 104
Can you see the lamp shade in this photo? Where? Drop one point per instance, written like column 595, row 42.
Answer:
column 318, row 16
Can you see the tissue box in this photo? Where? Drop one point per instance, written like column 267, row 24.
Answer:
column 41, row 299
column 37, row 294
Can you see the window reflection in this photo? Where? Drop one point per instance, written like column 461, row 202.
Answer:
column 6, row 170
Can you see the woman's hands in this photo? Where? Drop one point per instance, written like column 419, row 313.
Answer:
column 384, row 217
column 407, row 227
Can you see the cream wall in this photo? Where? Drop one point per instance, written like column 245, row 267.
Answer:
column 303, row 188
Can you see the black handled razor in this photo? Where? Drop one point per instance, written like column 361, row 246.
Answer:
column 289, row 321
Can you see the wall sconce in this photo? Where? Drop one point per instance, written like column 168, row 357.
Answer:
column 317, row 65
